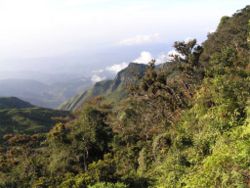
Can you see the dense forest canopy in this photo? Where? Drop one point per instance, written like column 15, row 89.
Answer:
column 20, row 117
column 183, row 124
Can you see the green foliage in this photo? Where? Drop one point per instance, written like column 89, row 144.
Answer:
column 184, row 124
column 108, row 185
column 114, row 90
column 25, row 118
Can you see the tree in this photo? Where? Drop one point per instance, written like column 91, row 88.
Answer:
column 187, row 52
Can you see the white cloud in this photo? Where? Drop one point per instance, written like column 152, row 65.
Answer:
column 140, row 39
column 167, row 57
column 172, row 53
column 96, row 78
column 162, row 58
column 188, row 39
column 63, row 26
column 117, row 67
column 211, row 31
column 144, row 58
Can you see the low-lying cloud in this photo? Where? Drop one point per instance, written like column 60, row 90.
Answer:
column 97, row 78
column 144, row 58
column 117, row 67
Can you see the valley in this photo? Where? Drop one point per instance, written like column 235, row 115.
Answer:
column 182, row 123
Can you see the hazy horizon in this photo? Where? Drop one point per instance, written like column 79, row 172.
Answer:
column 87, row 37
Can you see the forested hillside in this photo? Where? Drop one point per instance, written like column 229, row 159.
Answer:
column 114, row 90
column 185, row 124
column 20, row 117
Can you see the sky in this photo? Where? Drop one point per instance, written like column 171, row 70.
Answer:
column 62, row 35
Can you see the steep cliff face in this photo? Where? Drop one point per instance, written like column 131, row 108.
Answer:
column 115, row 89
column 186, row 125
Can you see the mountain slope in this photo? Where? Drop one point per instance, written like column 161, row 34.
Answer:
column 13, row 102
column 186, row 125
column 17, row 116
column 231, row 32
column 113, row 89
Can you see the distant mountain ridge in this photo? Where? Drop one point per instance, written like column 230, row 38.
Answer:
column 186, row 123
column 41, row 94
column 115, row 88
column 13, row 102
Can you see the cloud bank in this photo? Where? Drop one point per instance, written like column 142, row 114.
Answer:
column 117, row 67
column 97, row 78
column 144, row 58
